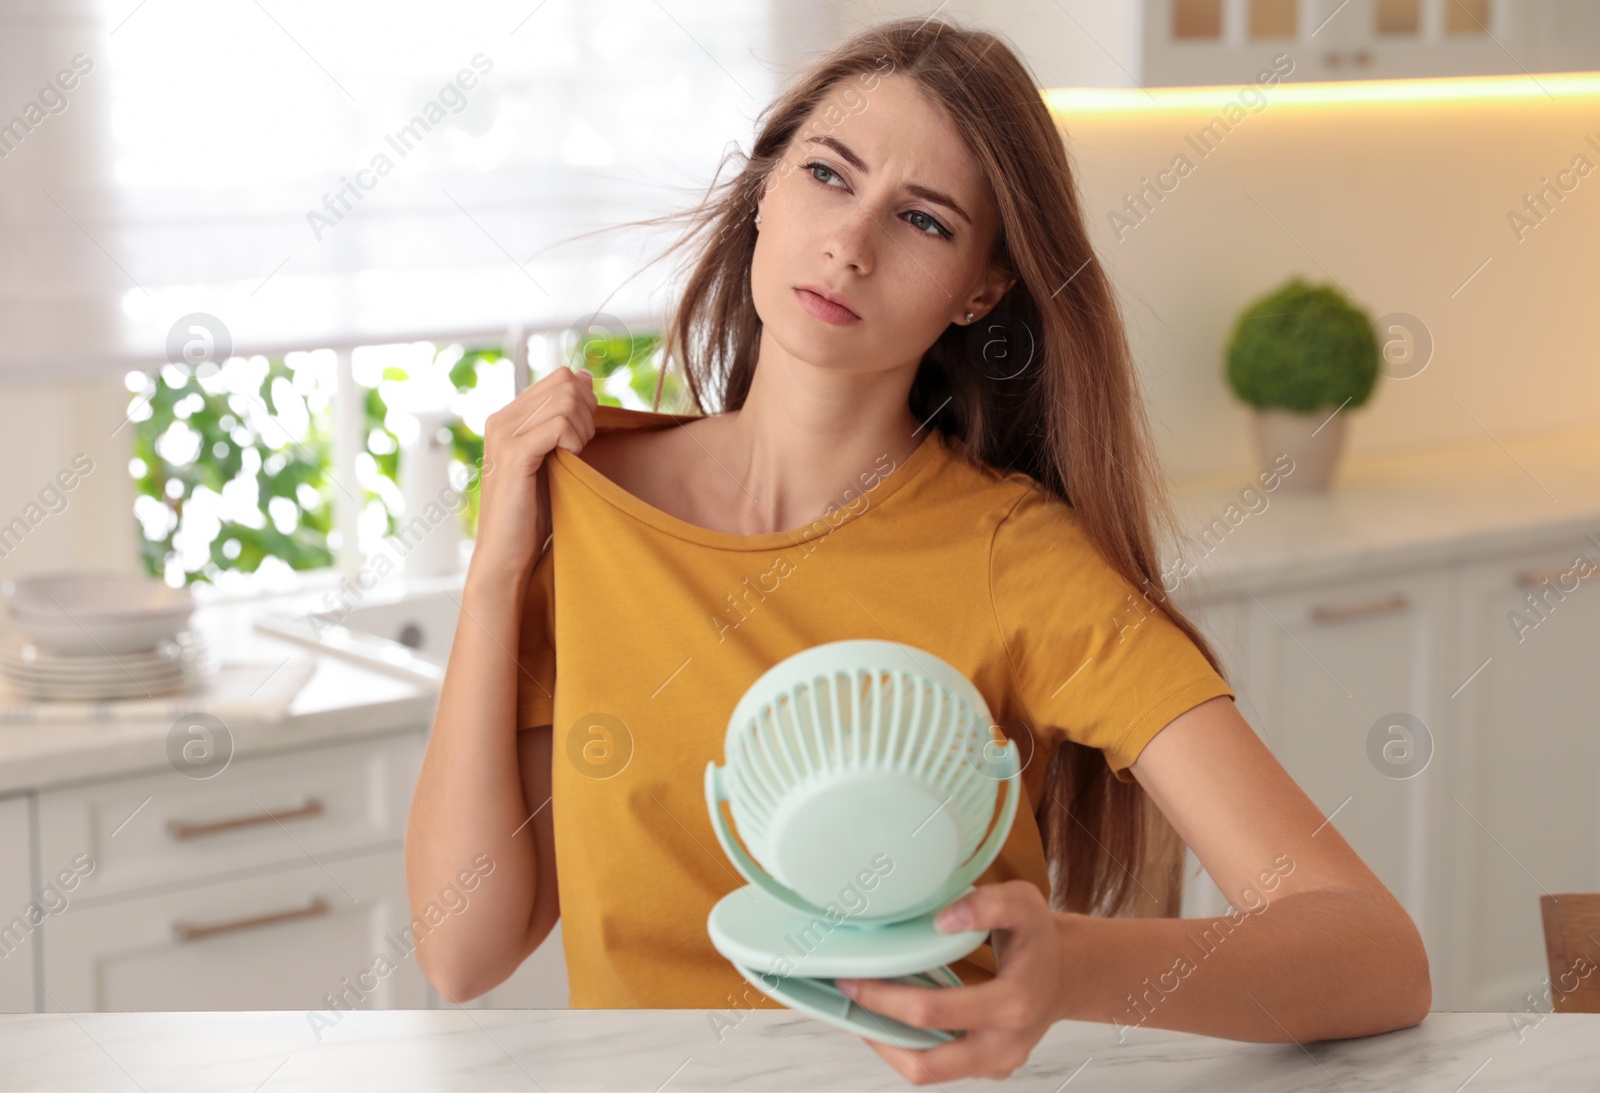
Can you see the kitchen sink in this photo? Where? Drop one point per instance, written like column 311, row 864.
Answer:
column 404, row 629
column 425, row 622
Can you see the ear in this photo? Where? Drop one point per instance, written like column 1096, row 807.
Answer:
column 995, row 286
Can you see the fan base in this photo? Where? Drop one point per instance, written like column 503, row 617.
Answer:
column 826, row 1002
column 754, row 930
column 794, row 958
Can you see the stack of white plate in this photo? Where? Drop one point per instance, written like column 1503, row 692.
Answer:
column 97, row 636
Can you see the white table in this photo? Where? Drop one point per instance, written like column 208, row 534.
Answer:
column 676, row 1050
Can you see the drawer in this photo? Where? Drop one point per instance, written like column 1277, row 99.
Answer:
column 279, row 940
column 162, row 829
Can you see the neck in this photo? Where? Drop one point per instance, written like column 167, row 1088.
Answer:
column 808, row 438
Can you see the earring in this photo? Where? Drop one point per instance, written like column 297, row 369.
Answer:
column 969, row 316
column 758, row 216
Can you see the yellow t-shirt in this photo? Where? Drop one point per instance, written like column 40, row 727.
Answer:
column 660, row 626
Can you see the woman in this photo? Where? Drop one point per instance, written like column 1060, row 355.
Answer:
column 929, row 432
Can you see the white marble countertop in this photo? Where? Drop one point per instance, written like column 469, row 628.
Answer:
column 1392, row 512
column 673, row 1050
column 341, row 700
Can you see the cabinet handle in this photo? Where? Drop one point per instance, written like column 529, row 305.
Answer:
column 1399, row 601
column 185, row 931
column 1533, row 578
column 183, row 829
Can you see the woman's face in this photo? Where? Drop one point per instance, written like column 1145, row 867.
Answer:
column 861, row 207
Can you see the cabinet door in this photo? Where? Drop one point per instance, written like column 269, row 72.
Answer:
column 322, row 937
column 1525, row 819
column 158, row 830
column 19, row 947
column 1338, row 673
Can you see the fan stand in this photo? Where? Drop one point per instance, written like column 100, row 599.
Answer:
column 826, row 1002
column 763, row 940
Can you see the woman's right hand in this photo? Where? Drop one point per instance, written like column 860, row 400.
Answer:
column 557, row 410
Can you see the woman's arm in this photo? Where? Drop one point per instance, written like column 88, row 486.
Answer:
column 469, row 800
column 1317, row 947
column 482, row 802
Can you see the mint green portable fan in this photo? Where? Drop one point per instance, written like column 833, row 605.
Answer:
column 863, row 776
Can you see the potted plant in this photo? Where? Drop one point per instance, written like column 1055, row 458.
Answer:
column 1303, row 356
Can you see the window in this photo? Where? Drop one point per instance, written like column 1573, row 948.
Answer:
column 365, row 196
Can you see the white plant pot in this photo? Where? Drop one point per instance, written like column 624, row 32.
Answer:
column 1313, row 441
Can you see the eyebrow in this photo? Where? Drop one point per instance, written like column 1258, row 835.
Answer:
column 911, row 187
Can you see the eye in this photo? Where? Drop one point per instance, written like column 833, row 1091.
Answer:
column 817, row 165
column 939, row 231
column 938, row 228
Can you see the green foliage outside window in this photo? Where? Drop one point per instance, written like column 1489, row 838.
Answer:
column 241, row 438
column 237, row 435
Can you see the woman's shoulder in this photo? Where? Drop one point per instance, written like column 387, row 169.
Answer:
column 1021, row 503
column 649, row 462
column 1031, row 516
column 627, row 443
column 629, row 456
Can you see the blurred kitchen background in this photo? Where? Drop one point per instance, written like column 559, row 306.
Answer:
column 268, row 266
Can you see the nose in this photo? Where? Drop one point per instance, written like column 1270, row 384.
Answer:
column 851, row 238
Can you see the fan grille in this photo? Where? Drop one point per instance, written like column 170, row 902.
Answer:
column 869, row 719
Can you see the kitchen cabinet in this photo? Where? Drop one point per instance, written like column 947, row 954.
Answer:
column 278, row 883
column 1457, row 751
column 1524, row 815
column 324, row 936
column 1230, row 42
column 168, row 828
column 1316, row 670
column 19, row 947
column 1332, row 667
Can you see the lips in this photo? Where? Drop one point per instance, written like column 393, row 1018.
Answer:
column 829, row 307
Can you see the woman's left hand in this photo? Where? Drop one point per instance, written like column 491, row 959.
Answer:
column 1004, row 1017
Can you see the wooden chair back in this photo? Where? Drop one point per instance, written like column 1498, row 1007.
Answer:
column 1572, row 949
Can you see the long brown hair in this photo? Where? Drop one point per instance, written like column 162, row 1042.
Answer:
column 1045, row 384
